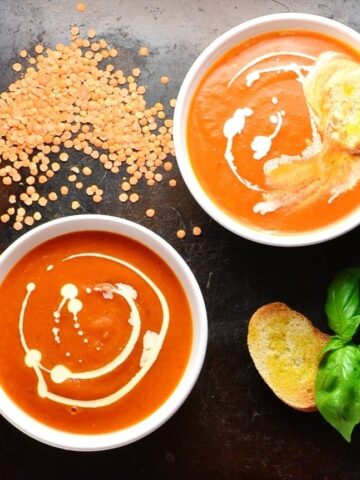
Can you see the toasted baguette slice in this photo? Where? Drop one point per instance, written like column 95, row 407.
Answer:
column 332, row 90
column 285, row 347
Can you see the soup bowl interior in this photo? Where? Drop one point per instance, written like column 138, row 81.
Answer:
column 100, row 223
column 238, row 34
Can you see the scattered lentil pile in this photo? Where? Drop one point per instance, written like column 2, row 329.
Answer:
column 65, row 100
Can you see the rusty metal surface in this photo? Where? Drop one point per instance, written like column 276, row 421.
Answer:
column 232, row 426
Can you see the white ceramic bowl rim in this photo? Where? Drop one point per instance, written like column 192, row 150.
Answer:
column 71, row 441
column 248, row 29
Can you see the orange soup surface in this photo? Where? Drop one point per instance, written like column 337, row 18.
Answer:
column 262, row 101
column 96, row 332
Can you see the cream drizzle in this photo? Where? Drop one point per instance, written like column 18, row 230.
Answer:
column 261, row 145
column 309, row 151
column 232, row 127
column 255, row 75
column 267, row 56
column 352, row 181
column 152, row 341
column 60, row 373
column 69, row 293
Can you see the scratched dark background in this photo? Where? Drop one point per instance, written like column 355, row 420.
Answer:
column 231, row 426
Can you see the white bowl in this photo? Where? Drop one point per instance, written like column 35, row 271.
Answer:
column 246, row 30
column 102, row 223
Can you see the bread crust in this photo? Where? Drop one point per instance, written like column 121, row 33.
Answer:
column 275, row 333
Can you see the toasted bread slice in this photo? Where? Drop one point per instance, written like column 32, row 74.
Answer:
column 332, row 90
column 285, row 347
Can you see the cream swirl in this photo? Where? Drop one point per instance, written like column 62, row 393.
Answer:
column 152, row 341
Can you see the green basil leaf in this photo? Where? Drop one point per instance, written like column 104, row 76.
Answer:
column 337, row 388
column 350, row 328
column 343, row 303
column 333, row 344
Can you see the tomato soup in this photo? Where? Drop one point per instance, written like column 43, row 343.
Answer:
column 96, row 332
column 248, row 112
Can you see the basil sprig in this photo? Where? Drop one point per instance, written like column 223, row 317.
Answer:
column 338, row 379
